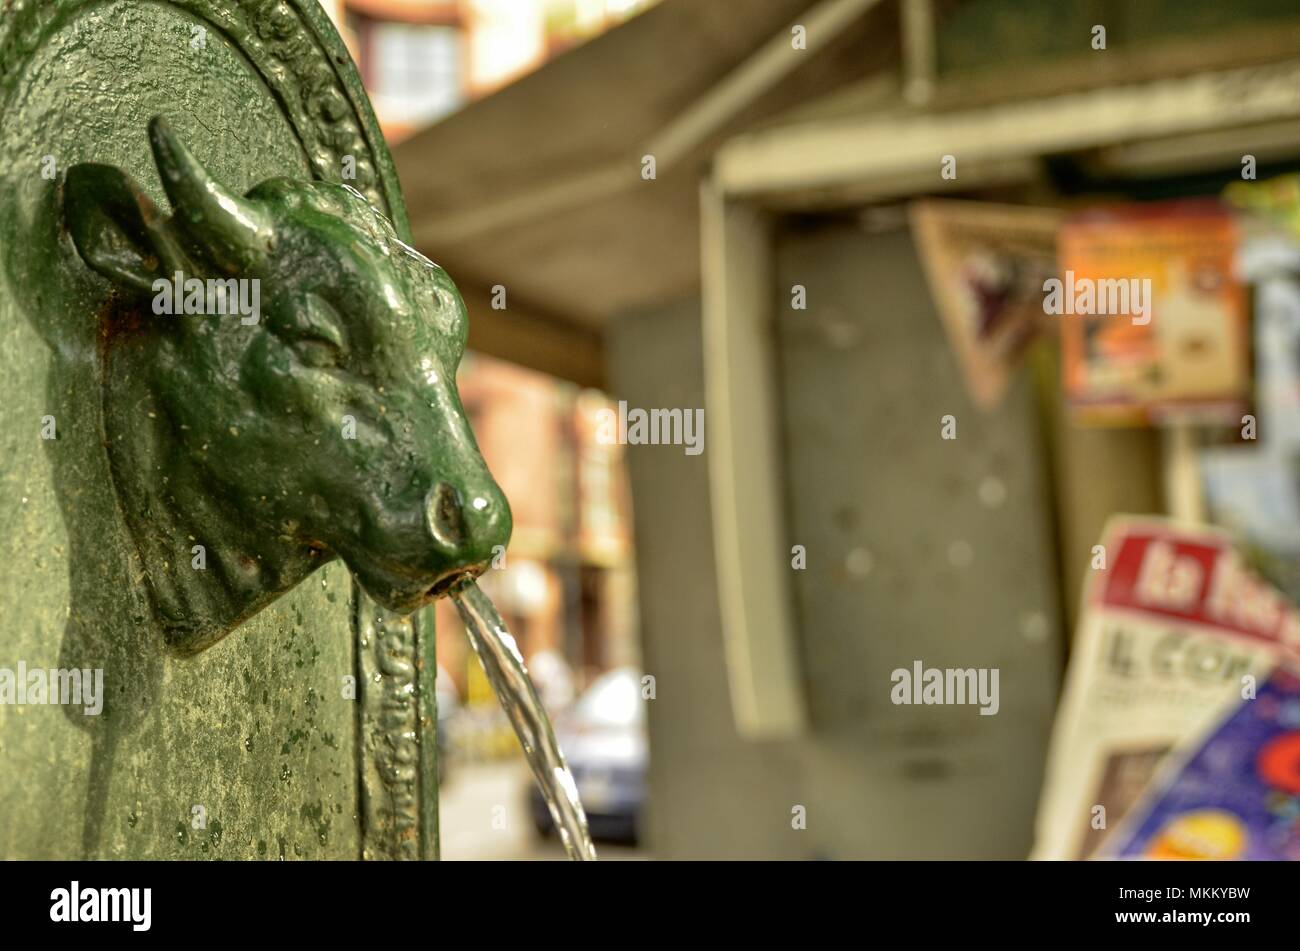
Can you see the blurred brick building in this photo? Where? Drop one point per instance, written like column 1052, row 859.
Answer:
column 421, row 59
column 568, row 582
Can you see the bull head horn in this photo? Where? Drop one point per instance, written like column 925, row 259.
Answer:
column 233, row 231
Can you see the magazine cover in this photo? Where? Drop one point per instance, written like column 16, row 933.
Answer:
column 985, row 265
column 1153, row 317
column 1235, row 794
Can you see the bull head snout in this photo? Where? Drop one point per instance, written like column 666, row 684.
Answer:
column 405, row 559
column 470, row 527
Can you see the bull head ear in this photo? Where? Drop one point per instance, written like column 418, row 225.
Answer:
column 118, row 231
column 223, row 226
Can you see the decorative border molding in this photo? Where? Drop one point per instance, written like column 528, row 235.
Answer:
column 390, row 761
column 308, row 75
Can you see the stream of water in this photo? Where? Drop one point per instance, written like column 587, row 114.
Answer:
column 497, row 651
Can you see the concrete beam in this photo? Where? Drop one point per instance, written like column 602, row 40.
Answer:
column 877, row 149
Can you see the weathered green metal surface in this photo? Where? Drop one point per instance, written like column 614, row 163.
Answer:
column 181, row 431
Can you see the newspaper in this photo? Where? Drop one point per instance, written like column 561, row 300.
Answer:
column 1174, row 628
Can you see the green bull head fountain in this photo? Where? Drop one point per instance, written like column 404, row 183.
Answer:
column 325, row 425
column 226, row 373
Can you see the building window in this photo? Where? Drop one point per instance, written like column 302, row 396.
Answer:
column 414, row 72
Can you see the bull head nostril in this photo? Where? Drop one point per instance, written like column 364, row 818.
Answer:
column 446, row 518
column 444, row 585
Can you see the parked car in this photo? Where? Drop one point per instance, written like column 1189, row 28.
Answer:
column 554, row 680
column 603, row 736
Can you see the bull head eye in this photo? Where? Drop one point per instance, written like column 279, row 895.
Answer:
column 318, row 339
column 318, row 352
